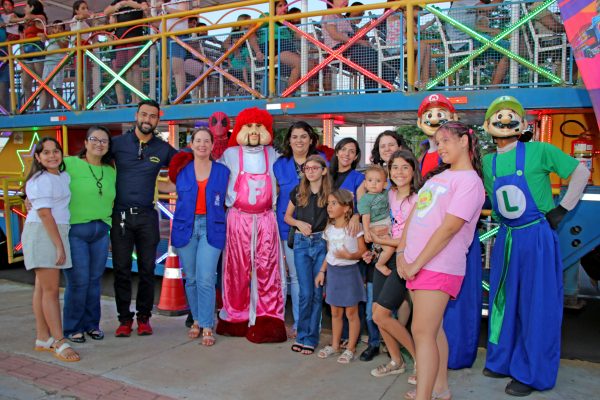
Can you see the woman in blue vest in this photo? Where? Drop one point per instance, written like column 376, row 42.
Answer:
column 299, row 143
column 198, row 231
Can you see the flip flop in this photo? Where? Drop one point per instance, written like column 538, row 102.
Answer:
column 308, row 350
column 297, row 347
column 44, row 345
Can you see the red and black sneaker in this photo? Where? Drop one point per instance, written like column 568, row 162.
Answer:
column 144, row 328
column 124, row 330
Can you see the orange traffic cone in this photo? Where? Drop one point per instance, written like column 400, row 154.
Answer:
column 172, row 294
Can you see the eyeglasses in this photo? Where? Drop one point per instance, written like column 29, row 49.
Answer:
column 141, row 150
column 311, row 169
column 95, row 140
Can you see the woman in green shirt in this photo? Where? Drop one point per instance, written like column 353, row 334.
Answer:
column 93, row 178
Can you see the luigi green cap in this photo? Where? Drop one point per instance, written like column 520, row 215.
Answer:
column 504, row 102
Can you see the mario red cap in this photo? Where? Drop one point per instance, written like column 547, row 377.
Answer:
column 435, row 100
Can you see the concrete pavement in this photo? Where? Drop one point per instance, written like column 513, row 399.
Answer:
column 169, row 365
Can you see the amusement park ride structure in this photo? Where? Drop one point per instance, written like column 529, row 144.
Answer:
column 559, row 110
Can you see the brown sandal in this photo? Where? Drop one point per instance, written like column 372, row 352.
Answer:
column 194, row 332
column 208, row 338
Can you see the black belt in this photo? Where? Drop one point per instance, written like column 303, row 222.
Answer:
column 137, row 210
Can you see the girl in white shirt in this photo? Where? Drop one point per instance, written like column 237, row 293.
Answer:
column 46, row 243
column 345, row 287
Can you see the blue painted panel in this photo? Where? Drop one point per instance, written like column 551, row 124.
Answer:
column 531, row 98
column 578, row 233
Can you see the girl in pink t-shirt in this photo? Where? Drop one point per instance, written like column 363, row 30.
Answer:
column 433, row 249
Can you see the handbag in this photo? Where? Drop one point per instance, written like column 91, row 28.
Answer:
column 290, row 238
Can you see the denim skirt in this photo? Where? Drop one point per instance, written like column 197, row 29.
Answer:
column 344, row 285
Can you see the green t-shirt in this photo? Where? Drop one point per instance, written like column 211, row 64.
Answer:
column 376, row 205
column 540, row 160
column 281, row 32
column 86, row 203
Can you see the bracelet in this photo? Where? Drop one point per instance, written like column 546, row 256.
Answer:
column 321, row 272
column 399, row 251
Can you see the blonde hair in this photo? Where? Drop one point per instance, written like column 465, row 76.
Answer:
column 304, row 191
column 376, row 168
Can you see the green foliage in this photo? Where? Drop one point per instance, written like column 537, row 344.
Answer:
column 413, row 136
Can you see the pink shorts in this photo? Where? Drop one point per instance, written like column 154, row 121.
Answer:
column 431, row 280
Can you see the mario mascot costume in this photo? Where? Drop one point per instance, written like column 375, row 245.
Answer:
column 526, row 288
column 462, row 319
column 253, row 268
column 434, row 111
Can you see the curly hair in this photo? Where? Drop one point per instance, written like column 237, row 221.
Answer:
column 375, row 156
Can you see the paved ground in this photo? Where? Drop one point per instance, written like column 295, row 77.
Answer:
column 168, row 364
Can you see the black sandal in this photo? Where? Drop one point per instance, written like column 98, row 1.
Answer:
column 297, row 347
column 96, row 334
column 308, row 350
column 76, row 337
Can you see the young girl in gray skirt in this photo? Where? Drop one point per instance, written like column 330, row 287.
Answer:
column 345, row 287
column 46, row 243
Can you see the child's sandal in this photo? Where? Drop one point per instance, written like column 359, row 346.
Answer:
column 64, row 352
column 327, row 351
column 346, row 357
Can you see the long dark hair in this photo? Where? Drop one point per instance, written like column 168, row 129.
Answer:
column 107, row 158
column 375, row 156
column 333, row 164
column 37, row 166
column 410, row 158
column 314, row 139
column 76, row 5
column 459, row 129
column 37, row 8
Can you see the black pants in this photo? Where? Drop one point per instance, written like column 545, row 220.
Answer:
column 141, row 231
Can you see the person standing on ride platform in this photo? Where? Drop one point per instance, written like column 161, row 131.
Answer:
column 434, row 111
column 126, row 11
column 139, row 156
column 462, row 319
column 526, row 289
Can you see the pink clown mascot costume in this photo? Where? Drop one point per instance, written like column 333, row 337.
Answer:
column 253, row 270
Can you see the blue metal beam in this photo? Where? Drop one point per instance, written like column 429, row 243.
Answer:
column 531, row 98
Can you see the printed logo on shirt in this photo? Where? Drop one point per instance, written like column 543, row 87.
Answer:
column 218, row 199
column 428, row 196
column 154, row 159
column 511, row 201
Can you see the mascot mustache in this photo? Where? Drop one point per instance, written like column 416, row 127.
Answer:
column 442, row 122
column 510, row 125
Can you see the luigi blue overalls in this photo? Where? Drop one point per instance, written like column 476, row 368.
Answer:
column 525, row 285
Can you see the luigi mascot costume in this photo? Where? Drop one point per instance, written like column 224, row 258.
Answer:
column 526, row 288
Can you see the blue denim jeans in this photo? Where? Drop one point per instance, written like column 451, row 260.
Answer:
column 374, row 336
column 199, row 262
column 89, row 251
column 294, row 290
column 309, row 253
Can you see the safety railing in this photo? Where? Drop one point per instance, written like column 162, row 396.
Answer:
column 396, row 47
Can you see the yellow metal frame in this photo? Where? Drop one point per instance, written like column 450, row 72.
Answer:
column 10, row 201
column 271, row 19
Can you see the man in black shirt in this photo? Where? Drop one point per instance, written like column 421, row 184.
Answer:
column 127, row 10
column 139, row 156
